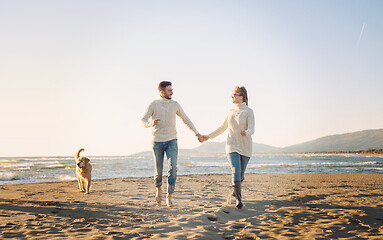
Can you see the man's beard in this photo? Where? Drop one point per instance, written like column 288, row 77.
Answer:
column 168, row 97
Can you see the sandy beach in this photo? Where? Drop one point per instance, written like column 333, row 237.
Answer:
column 277, row 206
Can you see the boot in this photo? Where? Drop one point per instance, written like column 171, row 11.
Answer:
column 238, row 195
column 231, row 195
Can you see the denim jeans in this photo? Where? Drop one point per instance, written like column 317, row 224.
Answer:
column 238, row 164
column 171, row 150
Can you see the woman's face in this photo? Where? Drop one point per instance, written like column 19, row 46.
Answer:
column 236, row 97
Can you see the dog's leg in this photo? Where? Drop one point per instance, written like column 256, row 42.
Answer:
column 88, row 186
column 82, row 188
column 83, row 184
column 79, row 183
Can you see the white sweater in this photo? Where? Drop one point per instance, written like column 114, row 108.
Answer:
column 165, row 110
column 240, row 118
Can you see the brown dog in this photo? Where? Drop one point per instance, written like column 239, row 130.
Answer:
column 83, row 172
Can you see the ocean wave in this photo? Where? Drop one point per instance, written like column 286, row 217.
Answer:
column 35, row 158
column 31, row 164
column 7, row 161
column 341, row 163
column 66, row 178
column 9, row 176
column 17, row 170
column 266, row 165
column 114, row 158
column 60, row 158
column 16, row 165
column 347, row 155
column 209, row 164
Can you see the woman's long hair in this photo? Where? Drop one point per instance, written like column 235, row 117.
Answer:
column 242, row 92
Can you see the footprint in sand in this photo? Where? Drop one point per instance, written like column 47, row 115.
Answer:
column 238, row 226
column 206, row 205
column 212, row 228
column 212, row 218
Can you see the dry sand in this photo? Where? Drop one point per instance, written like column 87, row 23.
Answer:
column 277, row 206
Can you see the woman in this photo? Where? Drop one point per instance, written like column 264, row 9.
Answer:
column 240, row 121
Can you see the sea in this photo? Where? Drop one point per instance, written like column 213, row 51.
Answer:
column 21, row 170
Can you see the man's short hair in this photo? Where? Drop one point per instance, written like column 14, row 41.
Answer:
column 163, row 85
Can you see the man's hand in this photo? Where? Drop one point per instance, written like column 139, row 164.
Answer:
column 202, row 138
column 155, row 122
column 199, row 136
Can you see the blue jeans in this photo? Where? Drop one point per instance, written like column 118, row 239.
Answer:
column 171, row 150
column 238, row 164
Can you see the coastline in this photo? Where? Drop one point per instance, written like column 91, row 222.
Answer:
column 56, row 169
column 281, row 206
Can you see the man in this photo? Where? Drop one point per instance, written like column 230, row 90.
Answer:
column 161, row 115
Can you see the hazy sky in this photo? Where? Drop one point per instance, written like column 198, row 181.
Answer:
column 81, row 73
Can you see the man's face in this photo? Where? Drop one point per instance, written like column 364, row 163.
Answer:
column 167, row 93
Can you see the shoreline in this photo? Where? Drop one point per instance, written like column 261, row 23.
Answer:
column 203, row 174
column 280, row 206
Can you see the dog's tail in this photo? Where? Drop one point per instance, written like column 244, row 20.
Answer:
column 78, row 153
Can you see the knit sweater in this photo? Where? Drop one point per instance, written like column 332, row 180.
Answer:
column 165, row 110
column 240, row 118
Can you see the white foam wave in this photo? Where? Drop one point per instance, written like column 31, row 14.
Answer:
column 60, row 158
column 116, row 158
column 31, row 164
column 8, row 176
column 341, row 163
column 265, row 165
column 326, row 155
column 17, row 165
column 67, row 178
column 210, row 164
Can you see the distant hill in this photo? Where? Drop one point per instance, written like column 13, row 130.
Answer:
column 362, row 140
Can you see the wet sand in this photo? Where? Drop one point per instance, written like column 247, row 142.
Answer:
column 277, row 206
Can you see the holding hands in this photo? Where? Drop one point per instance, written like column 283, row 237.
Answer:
column 202, row 138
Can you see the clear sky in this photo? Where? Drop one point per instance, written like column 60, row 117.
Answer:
column 81, row 73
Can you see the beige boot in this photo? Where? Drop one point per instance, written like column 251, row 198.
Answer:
column 231, row 195
column 238, row 195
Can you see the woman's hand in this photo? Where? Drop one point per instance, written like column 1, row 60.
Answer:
column 203, row 138
column 243, row 133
